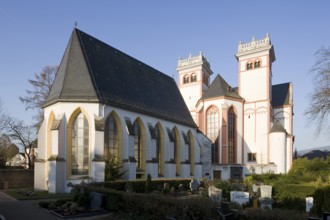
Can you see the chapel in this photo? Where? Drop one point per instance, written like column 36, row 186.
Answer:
column 105, row 103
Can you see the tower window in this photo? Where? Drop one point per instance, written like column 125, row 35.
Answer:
column 185, row 79
column 256, row 64
column 249, row 66
column 193, row 78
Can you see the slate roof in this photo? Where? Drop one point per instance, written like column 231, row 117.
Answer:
column 277, row 127
column 219, row 87
column 92, row 71
column 281, row 94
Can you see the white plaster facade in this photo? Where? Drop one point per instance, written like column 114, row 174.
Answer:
column 53, row 174
column 258, row 146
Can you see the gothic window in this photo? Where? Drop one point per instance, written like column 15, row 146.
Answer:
column 193, row 78
column 80, row 146
column 158, row 148
column 185, row 79
column 137, row 144
column 191, row 153
column 231, row 135
column 111, row 138
column 212, row 123
column 252, row 157
column 176, row 150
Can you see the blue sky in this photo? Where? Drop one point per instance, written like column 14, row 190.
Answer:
column 35, row 34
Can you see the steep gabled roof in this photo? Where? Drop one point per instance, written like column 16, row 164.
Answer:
column 281, row 94
column 92, row 71
column 219, row 87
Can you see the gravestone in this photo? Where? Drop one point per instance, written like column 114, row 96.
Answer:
column 239, row 197
column 266, row 191
column 266, row 200
column 255, row 188
column 215, row 194
column 194, row 184
column 97, row 201
column 309, row 203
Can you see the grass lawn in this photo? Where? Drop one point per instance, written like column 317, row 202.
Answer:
column 31, row 194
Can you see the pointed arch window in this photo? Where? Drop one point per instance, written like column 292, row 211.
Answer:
column 158, row 148
column 111, row 137
column 212, row 123
column 80, row 146
column 138, row 144
column 231, row 135
column 176, row 150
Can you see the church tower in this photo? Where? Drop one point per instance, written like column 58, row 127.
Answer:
column 194, row 78
column 255, row 69
column 255, row 60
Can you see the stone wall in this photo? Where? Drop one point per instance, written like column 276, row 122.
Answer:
column 16, row 178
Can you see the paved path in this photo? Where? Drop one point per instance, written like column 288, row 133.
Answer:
column 12, row 209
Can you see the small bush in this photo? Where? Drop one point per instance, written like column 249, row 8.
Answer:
column 321, row 201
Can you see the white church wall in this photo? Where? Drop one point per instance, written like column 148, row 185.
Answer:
column 278, row 151
column 249, row 90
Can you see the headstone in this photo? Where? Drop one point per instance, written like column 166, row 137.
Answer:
column 215, row 194
column 97, row 201
column 194, row 184
column 255, row 188
column 239, row 197
column 265, row 191
column 309, row 204
column 167, row 186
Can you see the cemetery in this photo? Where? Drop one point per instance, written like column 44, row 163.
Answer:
column 172, row 199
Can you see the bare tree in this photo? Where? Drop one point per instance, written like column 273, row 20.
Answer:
column 23, row 135
column 319, row 108
column 41, row 85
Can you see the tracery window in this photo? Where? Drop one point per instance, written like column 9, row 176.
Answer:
column 231, row 135
column 111, row 137
column 138, row 144
column 212, row 123
column 80, row 146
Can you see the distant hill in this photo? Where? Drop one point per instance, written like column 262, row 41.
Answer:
column 305, row 151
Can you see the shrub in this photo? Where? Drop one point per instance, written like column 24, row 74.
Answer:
column 321, row 201
column 225, row 186
column 113, row 169
column 275, row 214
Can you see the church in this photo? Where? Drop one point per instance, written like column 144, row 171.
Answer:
column 250, row 126
column 105, row 103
